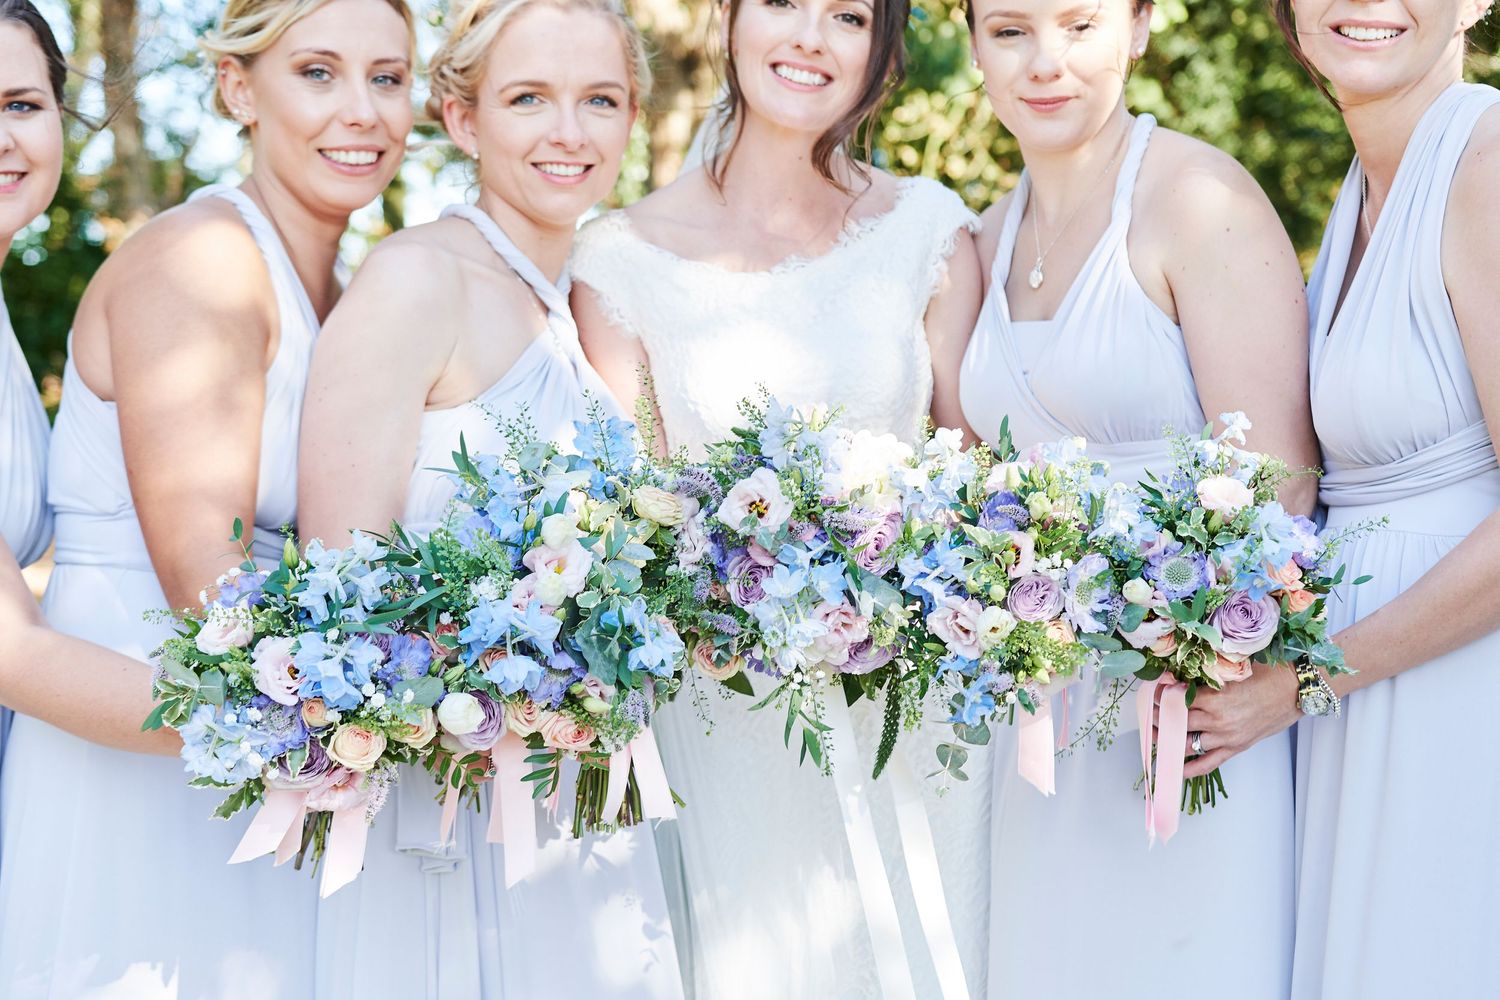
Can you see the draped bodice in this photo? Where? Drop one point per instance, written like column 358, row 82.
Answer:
column 1395, row 406
column 25, row 522
column 551, row 385
column 88, row 489
column 846, row 327
column 1110, row 366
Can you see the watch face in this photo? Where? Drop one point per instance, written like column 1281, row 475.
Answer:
column 1316, row 702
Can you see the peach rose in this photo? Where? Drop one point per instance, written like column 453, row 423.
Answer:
column 1287, row 576
column 420, row 733
column 356, row 747
column 707, row 663
column 1225, row 495
column 1060, row 630
column 314, row 713
column 523, row 718
column 1299, row 601
column 1227, row 669
column 562, row 732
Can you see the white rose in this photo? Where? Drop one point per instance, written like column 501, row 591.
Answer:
column 460, row 713
column 558, row 530
column 1138, row 591
column 225, row 629
column 1225, row 495
column 656, row 504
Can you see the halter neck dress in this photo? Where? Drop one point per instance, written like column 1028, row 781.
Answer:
column 1398, row 804
column 592, row 919
column 1113, row 368
column 115, row 877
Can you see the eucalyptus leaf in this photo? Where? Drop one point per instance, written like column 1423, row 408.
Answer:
column 1121, row 663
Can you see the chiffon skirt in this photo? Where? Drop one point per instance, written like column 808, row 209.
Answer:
column 1398, row 801
column 115, row 881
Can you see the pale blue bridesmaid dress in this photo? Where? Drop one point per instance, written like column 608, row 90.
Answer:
column 1082, row 907
column 25, row 522
column 115, row 882
column 1398, row 802
column 428, row 921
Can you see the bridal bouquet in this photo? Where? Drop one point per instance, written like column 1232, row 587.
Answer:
column 296, row 688
column 1217, row 578
column 552, row 628
column 996, row 548
column 787, row 564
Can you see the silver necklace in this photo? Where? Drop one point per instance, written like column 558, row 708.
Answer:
column 1037, row 275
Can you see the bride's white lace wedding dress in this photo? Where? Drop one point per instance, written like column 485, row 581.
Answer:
column 773, row 907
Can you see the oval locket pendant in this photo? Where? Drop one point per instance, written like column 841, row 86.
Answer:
column 1035, row 278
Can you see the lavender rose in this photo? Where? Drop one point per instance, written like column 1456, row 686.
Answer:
column 743, row 577
column 314, row 770
column 1246, row 624
column 875, row 556
column 1035, row 598
column 865, row 657
column 490, row 727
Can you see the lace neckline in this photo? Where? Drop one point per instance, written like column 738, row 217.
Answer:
column 853, row 232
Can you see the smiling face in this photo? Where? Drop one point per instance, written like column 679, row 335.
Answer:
column 31, row 140
column 553, row 113
column 1375, row 48
column 801, row 64
column 1055, row 70
column 329, row 104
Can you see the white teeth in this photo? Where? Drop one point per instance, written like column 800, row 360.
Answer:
column 561, row 169
column 10, row 178
column 1362, row 34
column 805, row 77
column 352, row 157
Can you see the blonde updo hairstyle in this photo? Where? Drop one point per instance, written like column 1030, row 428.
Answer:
column 249, row 27
column 457, row 68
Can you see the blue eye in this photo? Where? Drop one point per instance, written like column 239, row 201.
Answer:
column 600, row 101
column 317, row 73
column 389, row 80
column 525, row 99
column 21, row 107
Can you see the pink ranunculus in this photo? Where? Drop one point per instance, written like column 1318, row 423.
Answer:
column 1227, row 669
column 956, row 622
column 562, row 732
column 1225, row 495
column 275, row 672
column 758, row 497
column 1246, row 624
column 1025, row 548
column 845, row 625
column 570, row 562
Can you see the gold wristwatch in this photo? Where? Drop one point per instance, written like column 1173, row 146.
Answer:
column 1314, row 694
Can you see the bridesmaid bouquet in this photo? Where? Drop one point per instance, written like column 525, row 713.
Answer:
column 551, row 626
column 296, row 688
column 1217, row 579
column 995, row 547
column 784, row 571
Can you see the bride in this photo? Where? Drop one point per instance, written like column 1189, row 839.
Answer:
column 785, row 263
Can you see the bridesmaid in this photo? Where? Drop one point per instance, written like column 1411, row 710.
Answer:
column 1397, row 804
column 74, row 685
column 786, row 263
column 542, row 95
column 187, row 367
column 1139, row 280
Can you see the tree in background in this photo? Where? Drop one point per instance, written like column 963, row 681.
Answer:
column 1216, row 69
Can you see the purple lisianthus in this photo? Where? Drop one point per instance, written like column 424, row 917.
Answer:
column 314, row 770
column 489, row 730
column 1247, row 623
column 1004, row 512
column 743, row 577
column 876, row 556
column 1035, row 598
column 1176, row 573
column 865, row 656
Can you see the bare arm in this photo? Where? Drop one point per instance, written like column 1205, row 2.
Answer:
column 190, row 316
column 378, row 356
column 1240, row 301
column 618, row 357
column 77, row 686
column 950, row 322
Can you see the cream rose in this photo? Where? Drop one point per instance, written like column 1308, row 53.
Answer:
column 656, row 504
column 558, row 530
column 523, row 718
column 275, row 672
column 1138, row 591
column 1060, row 630
column 356, row 747
column 705, row 659
column 315, row 713
column 421, row 732
column 758, row 496
column 562, row 732
column 1224, row 495
column 460, row 713
column 225, row 629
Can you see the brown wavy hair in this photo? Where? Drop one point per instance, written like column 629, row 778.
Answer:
column 23, row 12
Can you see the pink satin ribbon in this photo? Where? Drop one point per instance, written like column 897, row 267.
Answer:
column 512, row 814
column 1164, row 791
column 1034, row 760
column 650, row 779
column 277, row 826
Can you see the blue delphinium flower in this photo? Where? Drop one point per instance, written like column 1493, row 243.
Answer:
column 1276, row 532
column 514, row 673
column 240, row 589
column 335, row 671
column 974, row 702
column 489, row 624
column 407, row 657
column 608, row 444
column 657, row 649
column 536, row 626
column 216, row 744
